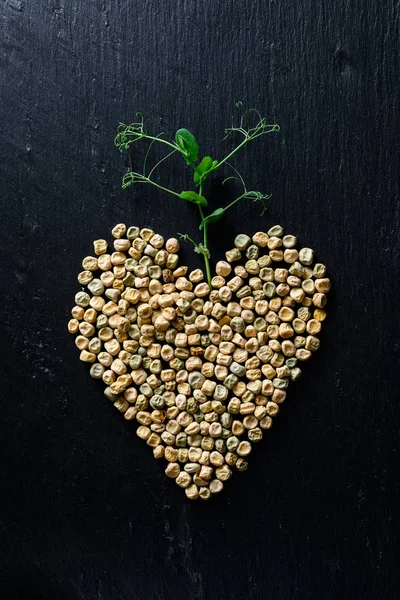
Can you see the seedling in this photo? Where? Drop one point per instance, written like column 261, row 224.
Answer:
column 251, row 126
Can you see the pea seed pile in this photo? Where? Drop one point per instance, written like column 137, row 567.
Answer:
column 203, row 371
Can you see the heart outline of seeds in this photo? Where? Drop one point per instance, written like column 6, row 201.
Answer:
column 202, row 370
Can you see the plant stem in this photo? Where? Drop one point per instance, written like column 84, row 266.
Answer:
column 234, row 202
column 247, row 139
column 205, row 240
column 205, row 253
column 221, row 162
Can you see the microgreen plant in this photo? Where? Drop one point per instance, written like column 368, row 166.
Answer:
column 251, row 126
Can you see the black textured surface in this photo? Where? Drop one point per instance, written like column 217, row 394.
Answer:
column 87, row 512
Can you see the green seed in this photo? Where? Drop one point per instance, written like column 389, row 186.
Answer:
column 264, row 261
column 258, row 295
column 146, row 261
column 157, row 402
column 242, row 241
column 176, row 364
column 220, row 445
column 230, row 381
column 133, row 233
column 134, row 332
column 295, row 373
column 170, row 336
column 146, row 362
column 101, row 321
column 260, row 324
column 248, row 396
column 252, row 267
column 306, row 256
column 237, row 324
column 281, row 384
column 243, row 292
column 113, row 295
column 252, row 252
column 226, row 420
column 232, row 443
column 226, row 433
column 220, row 393
column 181, row 439
column 297, row 269
column 205, row 340
column 129, row 280
column 146, row 390
column 312, row 343
column 82, row 299
column 304, row 313
column 319, row 270
column 291, row 362
column 237, row 369
column 275, row 231
column 269, row 289
column 109, row 395
column 142, row 402
column 96, row 371
column 217, row 282
column 130, row 264
column 196, row 380
column 96, row 286
column 192, row 406
column 242, row 464
column 182, row 353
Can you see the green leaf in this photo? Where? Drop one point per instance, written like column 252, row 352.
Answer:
column 202, row 169
column 187, row 144
column 212, row 218
column 193, row 197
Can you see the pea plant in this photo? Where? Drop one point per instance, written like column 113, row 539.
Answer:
column 250, row 127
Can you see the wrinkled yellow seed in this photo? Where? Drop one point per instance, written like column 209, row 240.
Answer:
column 319, row 315
column 319, row 300
column 172, row 470
column 100, row 246
column 223, row 268
column 313, row 326
column 119, row 230
column 196, row 276
column 244, row 448
column 322, row 285
column 192, row 492
column 87, row 356
column 73, row 325
column 260, row 239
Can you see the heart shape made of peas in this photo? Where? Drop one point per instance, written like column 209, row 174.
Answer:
column 201, row 370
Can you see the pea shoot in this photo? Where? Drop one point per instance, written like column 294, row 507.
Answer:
column 251, row 126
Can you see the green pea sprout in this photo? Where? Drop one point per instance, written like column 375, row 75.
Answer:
column 251, row 126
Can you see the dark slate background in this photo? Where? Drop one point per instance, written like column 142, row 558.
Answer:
column 86, row 511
